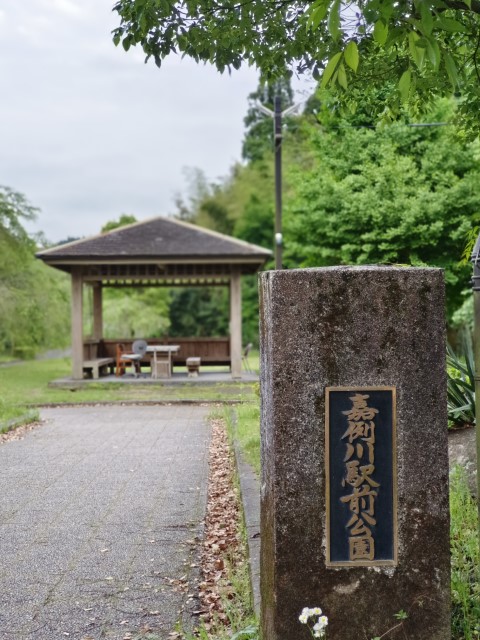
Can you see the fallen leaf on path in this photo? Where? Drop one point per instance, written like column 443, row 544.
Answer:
column 221, row 538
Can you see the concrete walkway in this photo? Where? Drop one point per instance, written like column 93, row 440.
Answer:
column 101, row 515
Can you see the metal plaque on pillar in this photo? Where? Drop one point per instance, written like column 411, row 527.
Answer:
column 361, row 478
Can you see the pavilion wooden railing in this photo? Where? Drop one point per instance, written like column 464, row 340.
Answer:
column 212, row 351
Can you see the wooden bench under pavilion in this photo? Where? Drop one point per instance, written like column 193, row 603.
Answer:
column 160, row 252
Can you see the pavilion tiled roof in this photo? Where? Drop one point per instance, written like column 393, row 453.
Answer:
column 157, row 238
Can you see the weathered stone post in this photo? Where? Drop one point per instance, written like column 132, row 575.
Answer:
column 354, row 451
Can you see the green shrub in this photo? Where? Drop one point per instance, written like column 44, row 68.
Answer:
column 461, row 386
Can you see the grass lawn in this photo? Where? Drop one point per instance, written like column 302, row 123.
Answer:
column 12, row 415
column 247, row 432
column 26, row 384
column 465, row 559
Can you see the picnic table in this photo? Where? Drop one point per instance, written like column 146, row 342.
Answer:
column 162, row 364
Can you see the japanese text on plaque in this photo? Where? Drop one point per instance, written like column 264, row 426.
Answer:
column 359, row 477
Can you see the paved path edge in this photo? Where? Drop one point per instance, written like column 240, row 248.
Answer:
column 250, row 496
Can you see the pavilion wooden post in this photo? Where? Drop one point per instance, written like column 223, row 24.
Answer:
column 236, row 323
column 97, row 311
column 77, row 325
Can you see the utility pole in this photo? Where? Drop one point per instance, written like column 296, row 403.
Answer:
column 277, row 114
column 277, row 137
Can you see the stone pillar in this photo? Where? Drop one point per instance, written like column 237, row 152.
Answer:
column 236, row 324
column 370, row 343
column 97, row 311
column 77, row 325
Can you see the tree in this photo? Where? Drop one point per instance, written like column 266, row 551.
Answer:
column 34, row 304
column 34, row 309
column 136, row 313
column 264, row 33
column 199, row 311
column 124, row 220
column 240, row 204
column 256, row 224
column 392, row 195
column 426, row 47
column 16, row 244
column 14, row 208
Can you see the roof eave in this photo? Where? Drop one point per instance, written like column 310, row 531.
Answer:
column 90, row 260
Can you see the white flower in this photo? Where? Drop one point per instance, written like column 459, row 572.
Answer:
column 318, row 630
column 304, row 616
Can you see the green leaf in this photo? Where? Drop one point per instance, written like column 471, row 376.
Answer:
column 417, row 53
column 433, row 52
column 451, row 69
column 426, row 19
column 351, row 55
column 401, row 615
column 249, row 632
column 317, row 15
column 470, row 240
column 330, row 68
column 451, row 25
column 334, row 20
column 419, row 60
column 404, row 84
column 342, row 76
column 412, row 39
column 380, row 32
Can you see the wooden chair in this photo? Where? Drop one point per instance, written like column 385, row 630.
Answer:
column 123, row 359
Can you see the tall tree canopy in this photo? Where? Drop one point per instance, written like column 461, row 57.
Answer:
column 123, row 220
column 426, row 47
column 14, row 209
column 34, row 304
column 397, row 194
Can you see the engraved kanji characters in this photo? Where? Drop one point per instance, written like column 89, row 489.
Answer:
column 359, row 469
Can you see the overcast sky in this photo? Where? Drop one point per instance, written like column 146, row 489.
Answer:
column 88, row 132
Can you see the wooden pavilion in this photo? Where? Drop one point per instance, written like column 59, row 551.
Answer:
column 160, row 252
